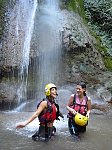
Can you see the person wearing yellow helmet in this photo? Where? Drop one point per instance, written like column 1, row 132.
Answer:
column 48, row 88
column 47, row 112
column 79, row 107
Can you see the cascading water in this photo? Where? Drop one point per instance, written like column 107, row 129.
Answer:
column 17, row 44
column 27, row 39
column 33, row 47
column 47, row 35
column 44, row 18
column 49, row 43
column 28, row 33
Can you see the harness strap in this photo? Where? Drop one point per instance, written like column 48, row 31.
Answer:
column 74, row 102
column 49, row 110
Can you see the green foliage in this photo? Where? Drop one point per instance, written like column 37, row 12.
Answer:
column 76, row 6
column 108, row 62
column 103, row 49
column 99, row 13
column 2, row 2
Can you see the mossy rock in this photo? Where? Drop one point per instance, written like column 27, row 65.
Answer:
column 108, row 62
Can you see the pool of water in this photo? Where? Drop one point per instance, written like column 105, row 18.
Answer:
column 97, row 137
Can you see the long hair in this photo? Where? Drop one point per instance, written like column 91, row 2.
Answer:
column 83, row 85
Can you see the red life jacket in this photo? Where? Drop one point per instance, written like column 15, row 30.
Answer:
column 78, row 106
column 49, row 115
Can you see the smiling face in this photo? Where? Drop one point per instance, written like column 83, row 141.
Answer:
column 80, row 91
column 53, row 92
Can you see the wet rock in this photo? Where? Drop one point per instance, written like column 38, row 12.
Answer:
column 105, row 94
column 102, row 108
column 8, row 96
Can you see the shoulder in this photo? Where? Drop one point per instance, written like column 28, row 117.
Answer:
column 89, row 99
column 43, row 103
column 72, row 95
column 71, row 99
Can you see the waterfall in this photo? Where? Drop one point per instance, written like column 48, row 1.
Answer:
column 35, row 29
column 47, row 35
column 28, row 32
column 26, row 45
column 17, row 45
column 46, row 64
column 29, row 9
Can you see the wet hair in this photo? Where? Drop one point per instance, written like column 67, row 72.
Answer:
column 83, row 85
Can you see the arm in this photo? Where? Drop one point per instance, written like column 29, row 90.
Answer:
column 71, row 110
column 70, row 102
column 41, row 107
column 88, row 107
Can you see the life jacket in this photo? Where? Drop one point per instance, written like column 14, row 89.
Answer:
column 80, row 107
column 49, row 115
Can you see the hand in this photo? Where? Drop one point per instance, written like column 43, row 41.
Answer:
column 20, row 126
column 74, row 112
column 61, row 115
column 87, row 115
column 71, row 110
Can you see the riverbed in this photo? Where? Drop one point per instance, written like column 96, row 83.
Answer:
column 97, row 137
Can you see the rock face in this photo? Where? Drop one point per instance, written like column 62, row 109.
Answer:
column 8, row 97
column 81, row 61
column 80, row 55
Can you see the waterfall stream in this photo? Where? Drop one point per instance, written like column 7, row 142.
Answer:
column 48, row 39
column 38, row 27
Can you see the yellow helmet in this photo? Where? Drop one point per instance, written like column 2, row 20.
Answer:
column 48, row 87
column 80, row 119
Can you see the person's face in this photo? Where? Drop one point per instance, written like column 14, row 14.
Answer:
column 54, row 92
column 80, row 90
